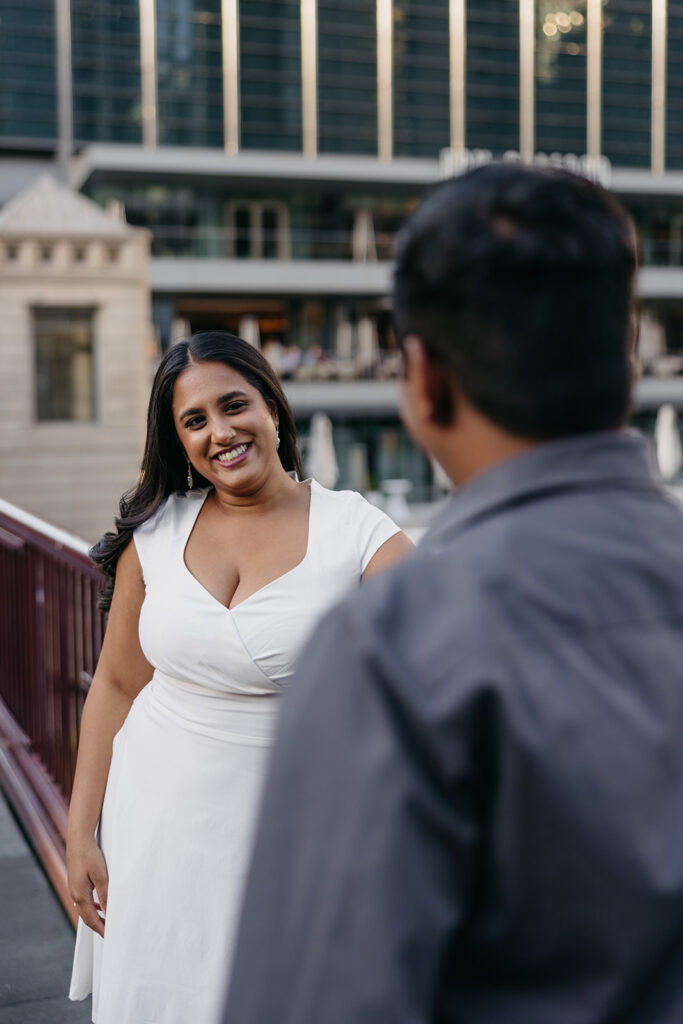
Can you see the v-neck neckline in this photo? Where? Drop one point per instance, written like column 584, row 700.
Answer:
column 270, row 583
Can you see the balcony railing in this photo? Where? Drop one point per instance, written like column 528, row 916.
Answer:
column 665, row 250
column 296, row 244
column 50, row 637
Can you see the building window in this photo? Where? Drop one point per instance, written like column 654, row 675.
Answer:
column 64, row 364
column 421, row 77
column 492, row 115
column 674, row 87
column 270, row 74
column 189, row 72
column 561, row 76
column 258, row 230
column 347, row 77
column 28, row 107
column 105, row 55
column 626, row 82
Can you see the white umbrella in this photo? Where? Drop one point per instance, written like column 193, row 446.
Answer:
column 651, row 340
column 363, row 238
column 343, row 340
column 397, row 506
column 668, row 442
column 321, row 460
column 368, row 347
column 249, row 331
column 358, row 467
column 180, row 329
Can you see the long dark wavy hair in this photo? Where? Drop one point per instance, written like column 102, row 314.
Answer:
column 164, row 467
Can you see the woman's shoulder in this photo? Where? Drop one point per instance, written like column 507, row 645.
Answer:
column 345, row 497
column 174, row 509
column 339, row 500
column 351, row 505
column 353, row 524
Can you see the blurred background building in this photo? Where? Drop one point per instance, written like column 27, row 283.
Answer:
column 272, row 148
column 74, row 338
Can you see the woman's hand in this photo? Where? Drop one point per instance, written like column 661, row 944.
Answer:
column 87, row 871
column 121, row 673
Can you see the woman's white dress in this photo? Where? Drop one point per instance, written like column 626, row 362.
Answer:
column 188, row 763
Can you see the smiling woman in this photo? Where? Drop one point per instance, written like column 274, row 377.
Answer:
column 221, row 420
column 165, row 462
column 221, row 564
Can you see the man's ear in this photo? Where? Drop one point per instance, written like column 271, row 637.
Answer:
column 429, row 387
column 414, row 385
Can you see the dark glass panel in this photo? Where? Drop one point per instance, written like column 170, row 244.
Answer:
column 63, row 341
column 626, row 82
column 242, row 232
column 561, row 76
column 492, row 72
column 387, row 454
column 347, row 77
column 189, row 72
column 270, row 74
column 269, row 228
column 674, row 87
column 106, row 70
column 28, row 103
column 238, row 221
column 421, row 77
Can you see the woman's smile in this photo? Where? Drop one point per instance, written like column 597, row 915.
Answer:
column 234, row 455
column 227, row 429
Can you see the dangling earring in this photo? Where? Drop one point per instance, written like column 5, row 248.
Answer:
column 277, row 437
column 190, row 481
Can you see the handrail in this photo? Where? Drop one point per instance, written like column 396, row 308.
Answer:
column 38, row 526
column 50, row 637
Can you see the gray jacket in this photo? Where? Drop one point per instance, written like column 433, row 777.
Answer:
column 475, row 807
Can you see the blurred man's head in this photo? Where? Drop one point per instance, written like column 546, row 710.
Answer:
column 514, row 293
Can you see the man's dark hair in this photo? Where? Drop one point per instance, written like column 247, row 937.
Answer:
column 520, row 283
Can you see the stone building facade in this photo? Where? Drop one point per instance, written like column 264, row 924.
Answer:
column 76, row 352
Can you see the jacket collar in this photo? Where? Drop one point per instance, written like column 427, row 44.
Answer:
column 606, row 460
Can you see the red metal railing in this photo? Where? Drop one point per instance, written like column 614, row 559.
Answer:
column 50, row 637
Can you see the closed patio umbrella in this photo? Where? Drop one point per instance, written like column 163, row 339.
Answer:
column 668, row 442
column 321, row 460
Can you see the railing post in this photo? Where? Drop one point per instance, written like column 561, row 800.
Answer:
column 50, row 637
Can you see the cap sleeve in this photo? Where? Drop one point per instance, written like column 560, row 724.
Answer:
column 146, row 537
column 371, row 526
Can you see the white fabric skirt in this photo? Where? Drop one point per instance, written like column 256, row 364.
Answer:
column 177, row 822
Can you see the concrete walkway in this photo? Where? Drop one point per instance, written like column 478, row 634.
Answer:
column 36, row 938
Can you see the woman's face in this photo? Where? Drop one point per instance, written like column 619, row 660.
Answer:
column 225, row 427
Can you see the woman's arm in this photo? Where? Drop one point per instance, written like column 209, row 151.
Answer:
column 121, row 673
column 392, row 551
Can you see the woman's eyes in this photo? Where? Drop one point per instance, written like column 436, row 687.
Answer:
column 198, row 421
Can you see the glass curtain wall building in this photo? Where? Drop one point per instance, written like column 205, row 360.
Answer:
column 28, row 72
column 383, row 79
column 106, row 76
column 270, row 74
column 274, row 147
column 347, row 77
column 189, row 81
column 560, row 77
column 394, row 78
column 492, row 76
column 421, row 77
column 627, row 83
